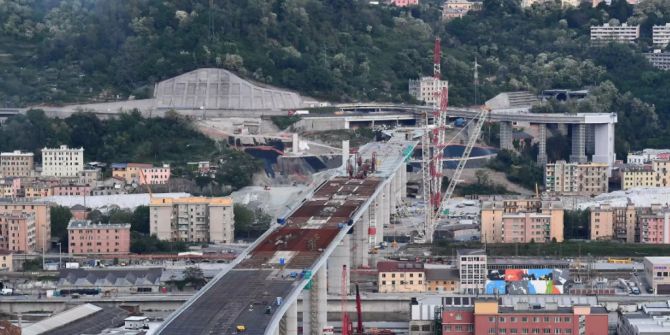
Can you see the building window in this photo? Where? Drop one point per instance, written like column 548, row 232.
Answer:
column 502, row 319
column 492, row 330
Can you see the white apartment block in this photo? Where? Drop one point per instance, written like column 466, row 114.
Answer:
column 608, row 33
column 564, row 3
column 427, row 89
column 62, row 162
column 16, row 164
column 472, row 270
column 660, row 60
column 193, row 219
column 661, row 35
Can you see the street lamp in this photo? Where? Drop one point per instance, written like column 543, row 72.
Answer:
column 59, row 254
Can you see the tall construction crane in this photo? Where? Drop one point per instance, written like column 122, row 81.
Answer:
column 433, row 143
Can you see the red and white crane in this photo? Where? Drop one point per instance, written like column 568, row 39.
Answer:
column 433, row 143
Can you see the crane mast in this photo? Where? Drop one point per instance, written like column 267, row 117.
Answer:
column 433, row 144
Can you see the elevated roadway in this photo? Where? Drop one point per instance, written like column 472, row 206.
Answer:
column 261, row 289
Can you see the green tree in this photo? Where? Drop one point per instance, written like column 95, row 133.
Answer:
column 139, row 221
column 60, row 217
column 194, row 276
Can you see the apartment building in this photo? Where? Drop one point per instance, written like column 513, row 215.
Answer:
column 427, row 89
column 17, row 232
column 656, row 174
column 521, row 221
column 613, row 223
column 453, row 9
column 646, row 156
column 661, row 35
column 404, row 3
column 472, row 270
column 192, row 219
column 6, row 261
column 62, row 161
column 40, row 213
column 608, row 33
column 654, row 227
column 443, row 280
column 16, row 164
column 400, row 277
column 564, row 3
column 141, row 173
column 489, row 316
column 87, row 238
column 71, row 190
column 576, row 178
column 659, row 59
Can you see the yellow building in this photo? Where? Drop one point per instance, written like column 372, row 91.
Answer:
column 401, row 277
column 522, row 221
column 650, row 175
column 576, row 178
column 443, row 280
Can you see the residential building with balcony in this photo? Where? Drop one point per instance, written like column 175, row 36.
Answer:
column 453, row 9
column 613, row 223
column 400, row 277
column 192, row 219
column 71, row 190
column 654, row 227
column 521, row 221
column 576, row 178
column 39, row 211
column 17, row 232
column 87, row 238
column 62, row 161
column 427, row 89
column 659, row 59
column 656, row 174
column 661, row 35
column 16, row 164
column 609, row 33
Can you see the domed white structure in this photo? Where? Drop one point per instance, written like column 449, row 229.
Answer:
column 219, row 89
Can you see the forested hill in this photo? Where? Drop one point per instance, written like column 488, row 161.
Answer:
column 55, row 51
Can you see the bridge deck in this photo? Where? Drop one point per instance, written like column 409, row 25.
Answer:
column 241, row 295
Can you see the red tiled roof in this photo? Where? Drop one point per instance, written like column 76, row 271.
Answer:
column 399, row 267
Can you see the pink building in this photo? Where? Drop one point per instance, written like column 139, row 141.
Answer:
column 155, row 175
column 655, row 228
column 80, row 190
column 79, row 212
column 404, row 3
column 527, row 227
column 17, row 232
column 86, row 238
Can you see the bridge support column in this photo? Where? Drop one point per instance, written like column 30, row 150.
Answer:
column 319, row 302
column 506, row 136
column 307, row 312
column 604, row 145
column 590, row 139
column 542, row 145
column 359, row 247
column 578, row 154
column 341, row 256
column 290, row 320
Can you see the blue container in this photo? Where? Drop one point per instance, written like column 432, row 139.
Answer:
column 282, row 261
column 281, row 221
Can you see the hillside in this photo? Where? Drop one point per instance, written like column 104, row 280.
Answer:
column 55, row 51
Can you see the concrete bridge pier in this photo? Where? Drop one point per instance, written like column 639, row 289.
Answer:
column 578, row 154
column 542, row 145
column 359, row 247
column 315, row 304
column 506, row 136
column 291, row 319
column 341, row 257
